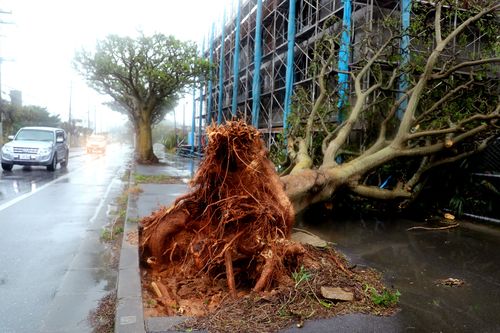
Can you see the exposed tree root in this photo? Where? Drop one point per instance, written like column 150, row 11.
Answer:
column 234, row 223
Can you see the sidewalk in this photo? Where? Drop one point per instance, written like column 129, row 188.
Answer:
column 129, row 312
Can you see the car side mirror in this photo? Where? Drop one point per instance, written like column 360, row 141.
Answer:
column 59, row 140
column 10, row 137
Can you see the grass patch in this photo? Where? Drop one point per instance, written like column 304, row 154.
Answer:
column 154, row 179
column 135, row 190
column 110, row 233
column 385, row 298
column 134, row 219
column 300, row 276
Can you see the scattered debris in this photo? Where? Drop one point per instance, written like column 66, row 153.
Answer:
column 451, row 282
column 336, row 294
column 433, row 228
column 308, row 238
column 102, row 319
column 449, row 216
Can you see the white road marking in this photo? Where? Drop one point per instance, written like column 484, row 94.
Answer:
column 38, row 189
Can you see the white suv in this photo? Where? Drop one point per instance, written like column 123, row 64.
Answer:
column 36, row 146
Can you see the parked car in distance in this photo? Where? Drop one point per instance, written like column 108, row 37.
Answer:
column 96, row 144
column 44, row 146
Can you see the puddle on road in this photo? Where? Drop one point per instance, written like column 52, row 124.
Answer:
column 24, row 180
column 416, row 262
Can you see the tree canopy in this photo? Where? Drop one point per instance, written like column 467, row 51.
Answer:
column 144, row 76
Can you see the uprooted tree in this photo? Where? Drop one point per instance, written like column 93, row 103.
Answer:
column 448, row 111
column 230, row 235
column 145, row 77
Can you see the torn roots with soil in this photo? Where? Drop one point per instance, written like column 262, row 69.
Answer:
column 235, row 222
column 230, row 235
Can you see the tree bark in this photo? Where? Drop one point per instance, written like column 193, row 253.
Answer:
column 144, row 141
column 311, row 186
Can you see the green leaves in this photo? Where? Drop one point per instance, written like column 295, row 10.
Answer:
column 386, row 298
column 146, row 72
column 301, row 276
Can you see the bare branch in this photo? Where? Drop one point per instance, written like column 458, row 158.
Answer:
column 335, row 144
column 416, row 176
column 381, row 140
column 453, row 69
column 437, row 23
column 379, row 193
column 460, row 156
column 434, row 148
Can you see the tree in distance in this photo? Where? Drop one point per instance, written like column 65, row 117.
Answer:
column 145, row 77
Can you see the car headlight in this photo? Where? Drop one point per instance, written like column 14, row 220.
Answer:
column 44, row 151
column 7, row 150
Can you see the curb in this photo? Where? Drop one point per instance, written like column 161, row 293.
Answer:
column 129, row 315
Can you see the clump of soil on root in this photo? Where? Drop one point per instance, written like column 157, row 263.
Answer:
column 223, row 253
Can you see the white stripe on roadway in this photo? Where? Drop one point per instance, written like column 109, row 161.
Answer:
column 38, row 189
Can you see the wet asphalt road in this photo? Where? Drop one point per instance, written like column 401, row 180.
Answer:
column 53, row 267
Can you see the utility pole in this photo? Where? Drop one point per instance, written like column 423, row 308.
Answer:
column 1, row 106
column 69, row 115
column 70, row 97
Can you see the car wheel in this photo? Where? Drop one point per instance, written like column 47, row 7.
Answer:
column 65, row 162
column 53, row 164
column 7, row 166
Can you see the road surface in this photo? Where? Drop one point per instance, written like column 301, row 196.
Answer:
column 53, row 266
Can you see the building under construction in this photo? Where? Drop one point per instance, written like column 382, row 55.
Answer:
column 278, row 37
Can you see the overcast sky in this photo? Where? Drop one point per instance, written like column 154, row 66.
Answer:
column 39, row 46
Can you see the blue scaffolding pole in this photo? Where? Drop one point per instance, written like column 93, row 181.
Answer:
column 221, row 70
column 200, row 148
column 236, row 61
column 193, row 123
column 201, row 106
column 405, row 53
column 256, row 70
column 289, row 64
column 210, row 79
column 344, row 56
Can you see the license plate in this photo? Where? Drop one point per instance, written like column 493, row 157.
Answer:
column 24, row 157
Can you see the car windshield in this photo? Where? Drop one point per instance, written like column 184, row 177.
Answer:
column 35, row 135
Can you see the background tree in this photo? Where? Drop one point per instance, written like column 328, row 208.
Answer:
column 145, row 77
column 31, row 115
column 390, row 138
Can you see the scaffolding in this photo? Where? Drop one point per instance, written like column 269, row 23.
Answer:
column 264, row 52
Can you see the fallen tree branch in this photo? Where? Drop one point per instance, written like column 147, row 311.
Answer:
column 433, row 228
